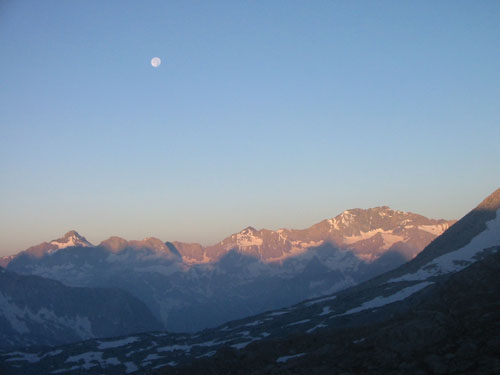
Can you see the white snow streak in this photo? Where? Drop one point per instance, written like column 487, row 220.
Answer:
column 287, row 357
column 117, row 343
column 382, row 301
column 299, row 322
column 320, row 300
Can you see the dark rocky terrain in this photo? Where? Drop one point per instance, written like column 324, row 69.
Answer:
column 452, row 327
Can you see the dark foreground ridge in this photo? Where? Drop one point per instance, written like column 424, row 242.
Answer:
column 452, row 327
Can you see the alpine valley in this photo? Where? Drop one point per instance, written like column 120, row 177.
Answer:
column 189, row 287
column 436, row 314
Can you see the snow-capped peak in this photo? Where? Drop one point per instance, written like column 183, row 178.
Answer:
column 246, row 238
column 248, row 231
column 71, row 239
column 346, row 217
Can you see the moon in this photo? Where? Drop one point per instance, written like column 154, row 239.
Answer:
column 155, row 62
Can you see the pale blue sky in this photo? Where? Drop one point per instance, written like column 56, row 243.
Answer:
column 264, row 113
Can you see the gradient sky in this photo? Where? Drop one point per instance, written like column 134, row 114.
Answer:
column 264, row 113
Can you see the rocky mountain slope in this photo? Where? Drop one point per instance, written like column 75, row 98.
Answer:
column 70, row 239
column 367, row 233
column 38, row 311
column 189, row 287
column 436, row 314
column 451, row 327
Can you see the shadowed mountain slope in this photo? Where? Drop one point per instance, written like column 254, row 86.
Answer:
column 39, row 311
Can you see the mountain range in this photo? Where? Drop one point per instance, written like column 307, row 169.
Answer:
column 189, row 287
column 436, row 314
column 366, row 233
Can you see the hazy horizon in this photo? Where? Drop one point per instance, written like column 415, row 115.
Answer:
column 96, row 240
column 271, row 115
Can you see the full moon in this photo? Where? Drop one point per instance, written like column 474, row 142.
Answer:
column 155, row 61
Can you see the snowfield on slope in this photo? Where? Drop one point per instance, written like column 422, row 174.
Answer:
column 459, row 259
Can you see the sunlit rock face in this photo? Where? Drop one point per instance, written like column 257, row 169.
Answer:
column 367, row 233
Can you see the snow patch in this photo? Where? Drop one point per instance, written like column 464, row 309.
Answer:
column 391, row 239
column 320, row 300
column 209, row 354
column 333, row 225
column 388, row 237
column 171, row 363
column 152, row 357
column 287, row 357
column 27, row 357
column 130, row 367
column 320, row 325
column 299, row 322
column 212, row 342
column 436, row 230
column 31, row 357
column 72, row 241
column 242, row 345
column 277, row 313
column 116, row 343
column 298, row 248
column 247, row 239
column 252, row 324
column 346, row 218
column 382, row 301
column 348, row 240
column 326, row 310
column 92, row 359
column 171, row 348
